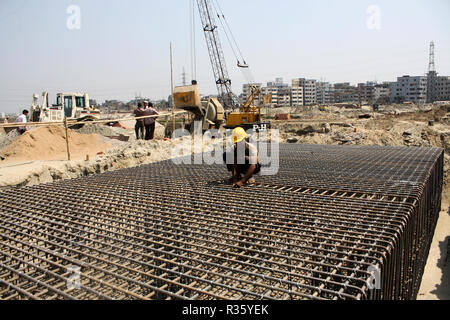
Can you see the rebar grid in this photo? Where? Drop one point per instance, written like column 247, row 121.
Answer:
column 166, row 231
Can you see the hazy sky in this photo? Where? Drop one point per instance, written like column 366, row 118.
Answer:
column 122, row 47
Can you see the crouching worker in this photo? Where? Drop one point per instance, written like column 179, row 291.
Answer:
column 22, row 119
column 243, row 160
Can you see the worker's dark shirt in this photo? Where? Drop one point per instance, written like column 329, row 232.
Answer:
column 150, row 112
column 243, row 164
column 139, row 113
column 251, row 154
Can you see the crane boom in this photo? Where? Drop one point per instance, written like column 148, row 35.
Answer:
column 216, row 55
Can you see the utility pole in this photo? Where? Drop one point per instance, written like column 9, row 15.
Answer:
column 171, row 89
column 67, row 138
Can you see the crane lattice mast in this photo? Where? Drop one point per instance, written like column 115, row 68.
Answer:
column 216, row 55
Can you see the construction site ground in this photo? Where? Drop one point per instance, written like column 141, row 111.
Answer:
column 31, row 159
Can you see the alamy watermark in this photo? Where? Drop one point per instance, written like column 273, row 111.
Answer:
column 74, row 280
column 374, row 281
column 268, row 151
column 74, row 19
column 373, row 21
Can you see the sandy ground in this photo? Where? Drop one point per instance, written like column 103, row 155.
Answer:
column 17, row 170
column 436, row 278
column 49, row 143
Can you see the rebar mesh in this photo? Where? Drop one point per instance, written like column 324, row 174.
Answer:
column 166, row 231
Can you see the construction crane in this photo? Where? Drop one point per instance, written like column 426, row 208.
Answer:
column 216, row 55
column 211, row 112
column 249, row 115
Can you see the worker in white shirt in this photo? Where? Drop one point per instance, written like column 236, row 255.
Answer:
column 22, row 119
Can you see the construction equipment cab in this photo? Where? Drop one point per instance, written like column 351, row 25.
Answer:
column 74, row 106
column 249, row 116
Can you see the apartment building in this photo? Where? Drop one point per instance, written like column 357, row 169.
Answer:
column 309, row 90
column 284, row 97
column 442, row 88
column 366, row 92
column 280, row 92
column 324, row 92
column 407, row 88
column 345, row 93
column 418, row 89
column 297, row 96
column 381, row 93
column 438, row 87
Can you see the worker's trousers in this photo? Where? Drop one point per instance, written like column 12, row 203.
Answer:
column 149, row 131
column 139, row 128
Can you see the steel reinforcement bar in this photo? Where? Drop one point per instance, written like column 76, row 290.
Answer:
column 336, row 222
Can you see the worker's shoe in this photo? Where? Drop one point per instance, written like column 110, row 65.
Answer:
column 251, row 181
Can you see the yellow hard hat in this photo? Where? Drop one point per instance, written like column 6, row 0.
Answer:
column 239, row 134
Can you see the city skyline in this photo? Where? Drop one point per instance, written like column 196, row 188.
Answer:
column 117, row 52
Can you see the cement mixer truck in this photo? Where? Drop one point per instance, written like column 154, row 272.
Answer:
column 209, row 112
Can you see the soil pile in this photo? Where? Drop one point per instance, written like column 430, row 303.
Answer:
column 7, row 138
column 99, row 129
column 48, row 143
column 125, row 130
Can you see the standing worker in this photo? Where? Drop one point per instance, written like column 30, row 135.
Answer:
column 139, row 127
column 150, row 123
column 244, row 157
column 22, row 119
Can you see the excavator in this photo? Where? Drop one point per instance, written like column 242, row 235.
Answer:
column 211, row 111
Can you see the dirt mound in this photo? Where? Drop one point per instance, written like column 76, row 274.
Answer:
column 124, row 155
column 7, row 138
column 125, row 130
column 98, row 129
column 48, row 143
